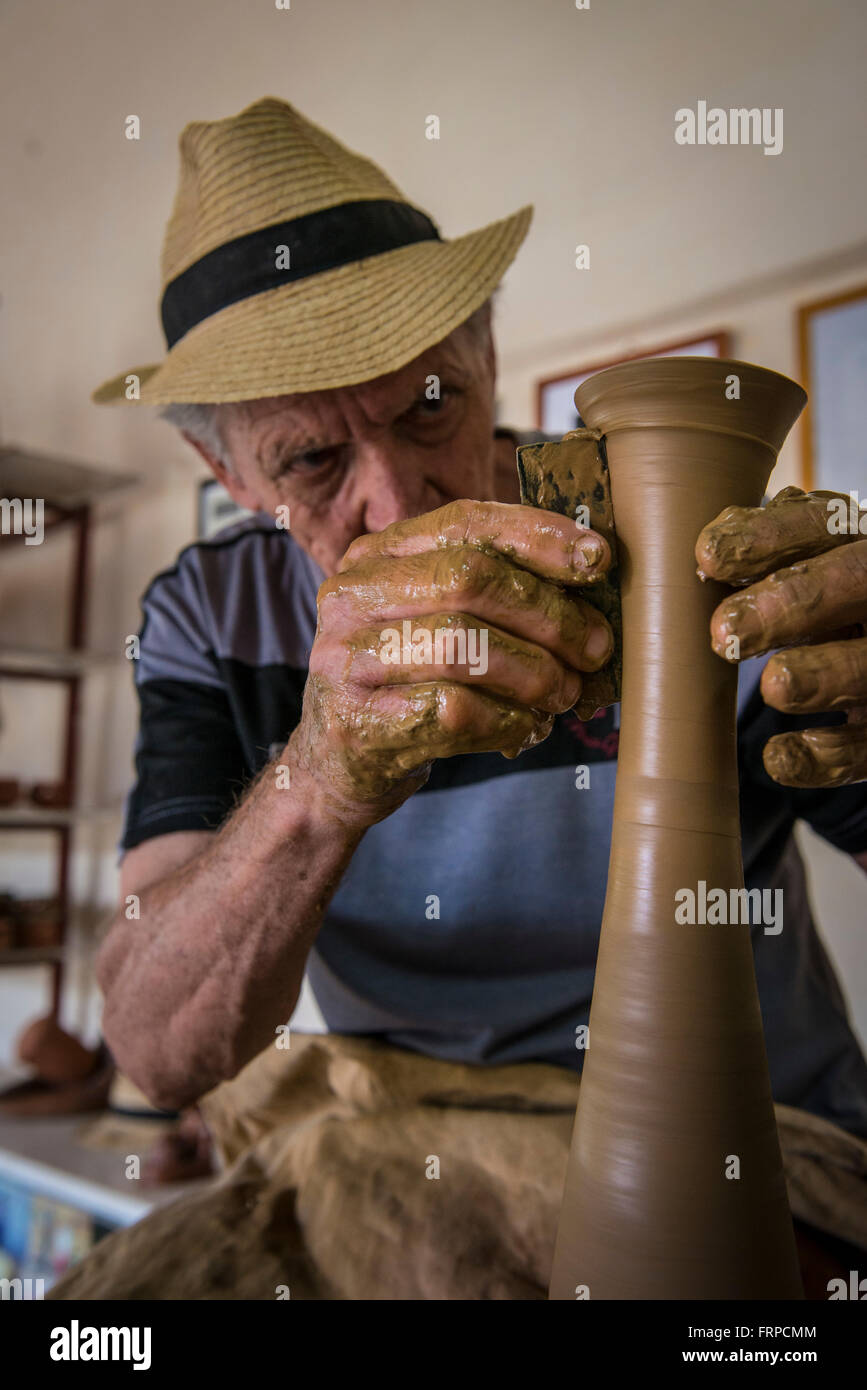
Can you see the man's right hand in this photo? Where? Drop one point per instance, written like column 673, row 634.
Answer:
column 370, row 729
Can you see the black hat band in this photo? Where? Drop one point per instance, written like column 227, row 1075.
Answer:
column 317, row 242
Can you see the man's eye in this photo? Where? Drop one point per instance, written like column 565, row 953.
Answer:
column 314, row 460
column 434, row 405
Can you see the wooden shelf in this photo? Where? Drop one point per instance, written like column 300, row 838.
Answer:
column 32, row 817
column 72, row 493
column 61, row 482
column 19, row 661
column 31, row 955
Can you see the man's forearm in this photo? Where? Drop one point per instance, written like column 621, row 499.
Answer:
column 197, row 985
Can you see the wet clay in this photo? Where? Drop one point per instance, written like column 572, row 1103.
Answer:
column 675, row 1096
column 834, row 757
column 565, row 477
column 746, row 543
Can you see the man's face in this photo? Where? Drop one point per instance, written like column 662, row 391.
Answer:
column 355, row 459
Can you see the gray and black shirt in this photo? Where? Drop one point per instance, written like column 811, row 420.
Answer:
column 504, row 973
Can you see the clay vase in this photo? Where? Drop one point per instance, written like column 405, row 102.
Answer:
column 675, row 1083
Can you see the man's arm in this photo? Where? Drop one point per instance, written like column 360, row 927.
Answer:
column 155, row 859
column 197, row 985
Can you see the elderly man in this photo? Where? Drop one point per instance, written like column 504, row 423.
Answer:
column 303, row 807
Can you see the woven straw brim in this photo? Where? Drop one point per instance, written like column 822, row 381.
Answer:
column 339, row 328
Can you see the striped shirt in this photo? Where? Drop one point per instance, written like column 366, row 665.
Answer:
column 466, row 926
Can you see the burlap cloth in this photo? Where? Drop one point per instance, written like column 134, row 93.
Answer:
column 325, row 1194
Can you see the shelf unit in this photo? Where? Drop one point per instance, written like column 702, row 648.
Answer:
column 43, row 818
column 69, row 491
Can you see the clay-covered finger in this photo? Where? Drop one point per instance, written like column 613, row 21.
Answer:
column 544, row 542
column 746, row 543
column 795, row 604
column 455, row 647
column 834, row 757
column 408, row 726
column 805, row 680
column 384, row 590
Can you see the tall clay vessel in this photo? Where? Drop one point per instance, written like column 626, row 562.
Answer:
column 675, row 1083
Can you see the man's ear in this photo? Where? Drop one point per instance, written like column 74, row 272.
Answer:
column 237, row 490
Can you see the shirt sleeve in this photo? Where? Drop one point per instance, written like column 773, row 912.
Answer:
column 189, row 761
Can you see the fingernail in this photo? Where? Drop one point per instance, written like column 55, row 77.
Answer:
column 797, row 684
column 599, row 643
column 588, row 553
column 788, row 759
column 741, row 620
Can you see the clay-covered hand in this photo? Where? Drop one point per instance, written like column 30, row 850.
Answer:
column 449, row 633
column 804, row 560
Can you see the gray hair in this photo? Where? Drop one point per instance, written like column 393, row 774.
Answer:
column 201, row 420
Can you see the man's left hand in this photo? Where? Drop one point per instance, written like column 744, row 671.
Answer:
column 806, row 594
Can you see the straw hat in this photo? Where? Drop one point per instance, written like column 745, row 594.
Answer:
column 292, row 264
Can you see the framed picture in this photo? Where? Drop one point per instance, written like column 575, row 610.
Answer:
column 555, row 407
column 833, row 343
column 216, row 509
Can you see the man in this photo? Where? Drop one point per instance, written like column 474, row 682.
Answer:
column 303, row 806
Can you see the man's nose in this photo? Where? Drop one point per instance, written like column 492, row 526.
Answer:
column 393, row 487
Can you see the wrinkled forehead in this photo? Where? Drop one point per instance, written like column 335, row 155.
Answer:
column 459, row 357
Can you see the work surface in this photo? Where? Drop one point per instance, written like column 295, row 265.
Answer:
column 356, row 1170
column 45, row 1156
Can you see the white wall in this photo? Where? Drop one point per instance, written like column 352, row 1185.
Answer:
column 538, row 102
column 760, row 317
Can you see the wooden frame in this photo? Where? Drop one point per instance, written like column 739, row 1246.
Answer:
column 720, row 337
column 215, row 509
column 807, row 314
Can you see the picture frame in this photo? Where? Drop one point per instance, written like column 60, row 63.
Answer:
column 555, row 407
column 832, row 340
column 215, row 509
